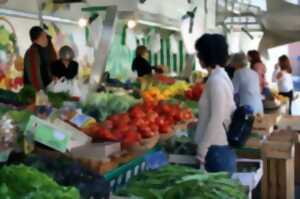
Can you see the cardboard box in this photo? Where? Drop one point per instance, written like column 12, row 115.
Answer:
column 97, row 151
column 46, row 133
column 77, row 138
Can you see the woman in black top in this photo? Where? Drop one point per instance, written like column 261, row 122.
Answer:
column 65, row 67
column 141, row 64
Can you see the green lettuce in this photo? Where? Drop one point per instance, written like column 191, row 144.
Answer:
column 22, row 182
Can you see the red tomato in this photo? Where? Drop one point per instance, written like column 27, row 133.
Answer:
column 148, row 105
column 124, row 118
column 107, row 135
column 131, row 139
column 160, row 121
column 165, row 129
column 186, row 115
column 114, row 118
column 154, row 127
column 140, row 123
column 108, row 124
column 137, row 113
column 146, row 132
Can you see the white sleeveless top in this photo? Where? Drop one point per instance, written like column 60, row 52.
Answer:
column 285, row 83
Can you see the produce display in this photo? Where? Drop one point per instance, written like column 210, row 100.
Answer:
column 102, row 105
column 195, row 92
column 69, row 173
column 24, row 97
column 140, row 122
column 163, row 92
column 8, row 133
column 19, row 181
column 138, row 119
column 57, row 99
column 20, row 118
column 172, row 182
column 183, row 102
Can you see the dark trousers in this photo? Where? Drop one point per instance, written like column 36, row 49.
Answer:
column 220, row 159
column 290, row 95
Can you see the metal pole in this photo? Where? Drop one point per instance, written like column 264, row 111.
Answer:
column 103, row 49
column 40, row 12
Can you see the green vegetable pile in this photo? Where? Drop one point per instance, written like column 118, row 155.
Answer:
column 20, row 118
column 182, row 145
column 22, row 182
column 24, row 97
column 178, row 182
column 57, row 99
column 103, row 105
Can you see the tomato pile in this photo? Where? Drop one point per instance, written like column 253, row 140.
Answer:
column 164, row 79
column 195, row 92
column 142, row 121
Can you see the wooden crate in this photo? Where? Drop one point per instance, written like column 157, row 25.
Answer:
column 278, row 180
column 289, row 122
column 265, row 124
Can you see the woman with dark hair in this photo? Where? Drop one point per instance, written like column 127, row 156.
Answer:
column 216, row 106
column 257, row 65
column 66, row 66
column 285, row 80
column 141, row 62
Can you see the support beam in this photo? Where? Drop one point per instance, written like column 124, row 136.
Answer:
column 102, row 51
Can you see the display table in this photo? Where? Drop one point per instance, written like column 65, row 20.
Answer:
column 149, row 160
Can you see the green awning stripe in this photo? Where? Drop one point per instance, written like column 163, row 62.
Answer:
column 162, row 61
column 175, row 63
column 168, row 53
column 94, row 9
column 194, row 65
column 123, row 38
column 181, row 56
column 155, row 59
column 87, row 34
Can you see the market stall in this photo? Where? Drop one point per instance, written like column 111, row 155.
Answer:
column 109, row 135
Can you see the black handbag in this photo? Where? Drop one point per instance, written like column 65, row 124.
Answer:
column 241, row 126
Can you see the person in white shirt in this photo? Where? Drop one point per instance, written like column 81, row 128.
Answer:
column 285, row 80
column 216, row 106
column 246, row 84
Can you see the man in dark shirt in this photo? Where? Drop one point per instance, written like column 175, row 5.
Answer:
column 38, row 58
column 141, row 64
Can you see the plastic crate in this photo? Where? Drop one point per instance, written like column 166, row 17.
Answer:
column 150, row 161
column 249, row 179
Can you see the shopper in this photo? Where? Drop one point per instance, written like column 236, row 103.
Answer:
column 215, row 106
column 141, row 64
column 230, row 69
column 257, row 65
column 38, row 58
column 285, row 80
column 246, row 84
column 65, row 67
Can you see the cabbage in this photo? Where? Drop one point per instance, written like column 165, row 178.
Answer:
column 103, row 105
